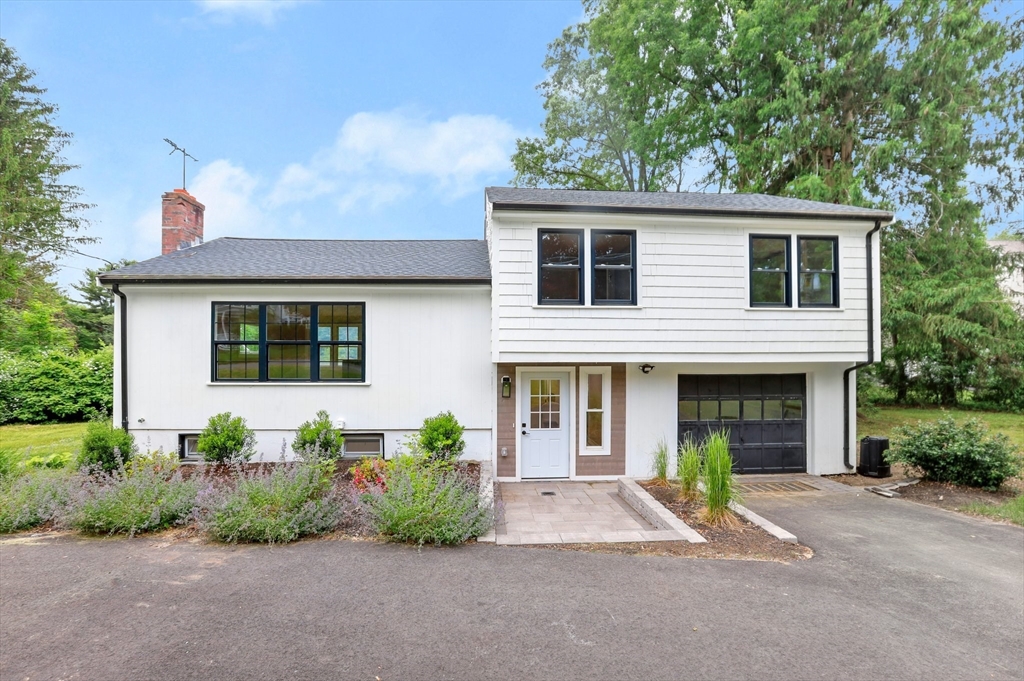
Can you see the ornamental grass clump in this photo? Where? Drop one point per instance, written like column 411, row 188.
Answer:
column 424, row 503
column 962, row 454
column 719, row 483
column 143, row 498
column 688, row 465
column 33, row 498
column 659, row 464
column 289, row 502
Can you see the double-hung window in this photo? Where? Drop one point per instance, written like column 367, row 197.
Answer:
column 818, row 279
column 289, row 342
column 614, row 268
column 769, row 271
column 595, row 401
column 560, row 276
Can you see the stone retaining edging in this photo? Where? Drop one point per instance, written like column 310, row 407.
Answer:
column 654, row 512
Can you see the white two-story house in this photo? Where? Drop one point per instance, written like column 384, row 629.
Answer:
column 583, row 330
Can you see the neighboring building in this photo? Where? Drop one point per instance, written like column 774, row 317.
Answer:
column 585, row 328
column 1013, row 282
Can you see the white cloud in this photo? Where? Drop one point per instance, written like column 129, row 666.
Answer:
column 262, row 11
column 394, row 152
column 232, row 206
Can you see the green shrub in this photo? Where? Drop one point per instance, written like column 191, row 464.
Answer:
column 688, row 463
column 441, row 437
column 319, row 438
column 148, row 499
column 290, row 502
column 106, row 446
column 55, row 460
column 961, row 454
column 33, row 499
column 56, row 385
column 659, row 462
column 428, row 504
column 719, row 483
column 227, row 439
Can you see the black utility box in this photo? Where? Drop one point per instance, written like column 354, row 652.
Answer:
column 872, row 457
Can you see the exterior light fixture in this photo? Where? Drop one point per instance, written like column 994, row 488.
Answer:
column 506, row 386
column 646, row 368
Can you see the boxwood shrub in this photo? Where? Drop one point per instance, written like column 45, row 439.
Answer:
column 227, row 438
column 106, row 446
column 961, row 454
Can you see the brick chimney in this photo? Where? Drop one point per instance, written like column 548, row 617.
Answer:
column 182, row 221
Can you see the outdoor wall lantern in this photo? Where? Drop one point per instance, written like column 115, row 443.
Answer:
column 647, row 368
column 506, row 386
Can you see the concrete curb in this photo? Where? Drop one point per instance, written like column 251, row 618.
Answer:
column 766, row 525
column 654, row 513
column 487, row 497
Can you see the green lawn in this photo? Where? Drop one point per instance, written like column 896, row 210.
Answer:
column 43, row 440
column 1012, row 510
column 881, row 420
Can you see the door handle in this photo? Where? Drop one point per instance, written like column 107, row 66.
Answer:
column 524, row 432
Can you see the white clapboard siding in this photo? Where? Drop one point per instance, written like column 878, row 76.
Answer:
column 693, row 295
column 427, row 350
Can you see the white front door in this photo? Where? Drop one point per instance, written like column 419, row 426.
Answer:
column 545, row 425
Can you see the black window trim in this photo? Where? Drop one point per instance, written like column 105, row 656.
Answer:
column 835, row 269
column 314, row 343
column 788, row 238
column 631, row 233
column 581, row 268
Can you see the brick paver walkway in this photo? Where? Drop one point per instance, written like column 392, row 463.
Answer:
column 567, row 513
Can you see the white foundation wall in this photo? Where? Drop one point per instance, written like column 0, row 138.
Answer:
column 652, row 399
column 269, row 442
column 427, row 351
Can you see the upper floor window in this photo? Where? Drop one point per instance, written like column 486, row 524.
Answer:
column 614, row 268
column 769, row 271
column 560, row 275
column 818, row 279
column 276, row 342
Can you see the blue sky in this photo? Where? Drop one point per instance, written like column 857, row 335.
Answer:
column 309, row 119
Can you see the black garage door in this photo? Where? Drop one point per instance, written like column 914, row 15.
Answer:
column 766, row 415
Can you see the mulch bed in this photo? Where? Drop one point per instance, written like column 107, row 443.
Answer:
column 744, row 541
column 955, row 497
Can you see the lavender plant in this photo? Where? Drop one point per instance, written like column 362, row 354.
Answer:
column 33, row 499
column 426, row 504
column 282, row 505
column 129, row 501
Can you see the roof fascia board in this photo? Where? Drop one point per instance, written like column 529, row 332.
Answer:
column 185, row 280
column 501, row 206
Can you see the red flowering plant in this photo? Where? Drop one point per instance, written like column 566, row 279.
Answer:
column 369, row 475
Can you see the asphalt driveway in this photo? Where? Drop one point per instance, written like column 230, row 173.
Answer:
column 896, row 590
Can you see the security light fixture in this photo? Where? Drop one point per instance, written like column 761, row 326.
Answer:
column 646, row 368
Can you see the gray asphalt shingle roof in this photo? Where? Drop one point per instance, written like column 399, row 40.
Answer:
column 299, row 260
column 522, row 198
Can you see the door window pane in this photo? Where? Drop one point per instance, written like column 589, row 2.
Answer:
column 772, row 410
column 687, row 410
column 793, row 409
column 545, row 404
column 709, row 410
column 751, row 410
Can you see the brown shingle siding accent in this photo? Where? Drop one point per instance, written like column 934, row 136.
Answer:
column 615, row 463
column 505, row 428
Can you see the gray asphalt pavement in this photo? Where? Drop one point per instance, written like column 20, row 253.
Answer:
column 896, row 590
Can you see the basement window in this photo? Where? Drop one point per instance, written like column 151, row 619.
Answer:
column 358, row 445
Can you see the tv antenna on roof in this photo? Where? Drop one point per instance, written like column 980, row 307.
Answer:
column 184, row 155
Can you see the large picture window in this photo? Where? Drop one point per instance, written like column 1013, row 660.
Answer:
column 769, row 271
column 277, row 342
column 818, row 279
column 560, row 276
column 614, row 268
